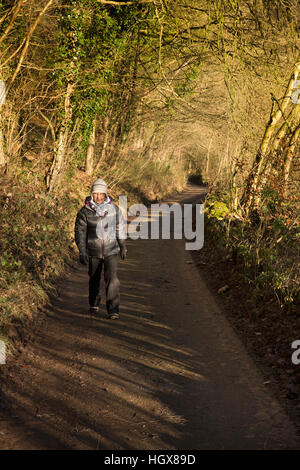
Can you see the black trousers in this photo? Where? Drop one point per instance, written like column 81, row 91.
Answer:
column 112, row 283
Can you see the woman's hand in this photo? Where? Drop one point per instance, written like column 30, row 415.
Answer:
column 123, row 252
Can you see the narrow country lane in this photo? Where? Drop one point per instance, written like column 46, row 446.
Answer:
column 170, row 374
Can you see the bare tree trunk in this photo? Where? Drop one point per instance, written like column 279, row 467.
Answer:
column 251, row 194
column 89, row 163
column 106, row 135
column 289, row 123
column 2, row 147
column 208, row 158
column 289, row 157
column 61, row 144
column 58, row 159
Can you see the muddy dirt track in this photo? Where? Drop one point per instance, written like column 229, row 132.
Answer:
column 170, row 374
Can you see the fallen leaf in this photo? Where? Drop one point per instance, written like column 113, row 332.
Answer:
column 223, row 289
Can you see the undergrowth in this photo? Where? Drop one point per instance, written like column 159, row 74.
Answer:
column 35, row 243
column 265, row 249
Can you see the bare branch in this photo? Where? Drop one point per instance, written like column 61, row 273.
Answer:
column 15, row 10
column 30, row 33
column 49, row 124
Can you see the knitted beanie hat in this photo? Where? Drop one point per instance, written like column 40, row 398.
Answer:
column 99, row 186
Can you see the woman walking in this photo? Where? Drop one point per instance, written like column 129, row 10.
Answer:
column 100, row 237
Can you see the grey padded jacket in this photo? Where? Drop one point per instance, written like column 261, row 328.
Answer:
column 99, row 230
